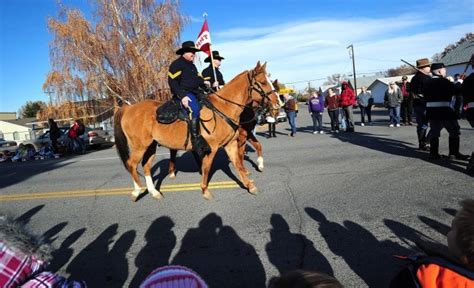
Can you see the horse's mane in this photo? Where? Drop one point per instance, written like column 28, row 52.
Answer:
column 226, row 86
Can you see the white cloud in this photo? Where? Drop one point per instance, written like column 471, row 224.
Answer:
column 314, row 49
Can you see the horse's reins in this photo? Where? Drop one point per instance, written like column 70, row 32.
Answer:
column 260, row 104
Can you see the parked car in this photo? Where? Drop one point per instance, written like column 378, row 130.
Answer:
column 96, row 137
column 91, row 137
column 8, row 145
column 281, row 116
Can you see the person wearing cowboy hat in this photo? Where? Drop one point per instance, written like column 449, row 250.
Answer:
column 208, row 73
column 184, row 82
column 418, row 82
column 441, row 111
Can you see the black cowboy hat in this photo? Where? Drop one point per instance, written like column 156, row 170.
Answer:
column 215, row 55
column 187, row 46
column 436, row 66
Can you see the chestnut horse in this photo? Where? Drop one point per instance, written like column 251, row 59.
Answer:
column 247, row 123
column 137, row 132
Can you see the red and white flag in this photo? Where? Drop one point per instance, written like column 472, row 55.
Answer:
column 203, row 41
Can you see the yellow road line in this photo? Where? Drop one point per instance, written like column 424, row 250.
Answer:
column 112, row 191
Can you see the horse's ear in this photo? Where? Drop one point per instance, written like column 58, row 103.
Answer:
column 264, row 66
column 258, row 66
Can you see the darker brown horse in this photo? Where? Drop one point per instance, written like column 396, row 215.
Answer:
column 248, row 122
column 137, row 132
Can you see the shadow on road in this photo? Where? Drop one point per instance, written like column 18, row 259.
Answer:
column 25, row 218
column 160, row 242
column 368, row 257
column 290, row 251
column 99, row 266
column 220, row 256
column 15, row 172
column 396, row 147
column 186, row 164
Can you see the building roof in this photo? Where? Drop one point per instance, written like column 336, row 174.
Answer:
column 459, row 55
column 21, row 121
column 386, row 80
column 366, row 81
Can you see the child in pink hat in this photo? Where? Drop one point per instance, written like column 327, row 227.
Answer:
column 173, row 276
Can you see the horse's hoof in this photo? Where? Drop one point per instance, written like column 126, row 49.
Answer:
column 158, row 196
column 260, row 168
column 253, row 189
column 208, row 195
column 172, row 175
column 134, row 198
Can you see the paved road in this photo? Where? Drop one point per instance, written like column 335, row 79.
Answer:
column 341, row 204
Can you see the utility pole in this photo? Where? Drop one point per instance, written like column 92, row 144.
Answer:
column 351, row 54
column 49, row 95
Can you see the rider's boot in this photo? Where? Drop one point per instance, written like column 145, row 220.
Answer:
column 200, row 145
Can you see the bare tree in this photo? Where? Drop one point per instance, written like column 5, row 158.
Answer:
column 400, row 71
column 335, row 79
column 123, row 54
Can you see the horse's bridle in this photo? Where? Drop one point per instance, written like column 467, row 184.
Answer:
column 260, row 104
column 259, row 90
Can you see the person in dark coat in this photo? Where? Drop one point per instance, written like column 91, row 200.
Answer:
column 208, row 73
column 184, row 81
column 418, row 82
column 407, row 103
column 442, row 112
column 467, row 92
column 54, row 134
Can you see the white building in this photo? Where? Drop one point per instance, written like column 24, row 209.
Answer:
column 457, row 59
column 17, row 129
column 380, row 85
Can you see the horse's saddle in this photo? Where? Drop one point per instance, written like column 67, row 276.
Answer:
column 171, row 111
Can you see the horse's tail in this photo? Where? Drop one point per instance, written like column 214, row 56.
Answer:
column 121, row 142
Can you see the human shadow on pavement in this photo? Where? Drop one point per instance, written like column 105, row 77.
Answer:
column 450, row 211
column 372, row 260
column 396, row 147
column 100, row 266
column 416, row 240
column 217, row 253
column 290, row 251
column 405, row 233
column 160, row 241
column 50, row 234
column 25, row 218
column 64, row 253
column 443, row 229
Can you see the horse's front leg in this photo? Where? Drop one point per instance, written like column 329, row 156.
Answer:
column 172, row 164
column 242, row 144
column 206, row 168
column 258, row 146
column 233, row 153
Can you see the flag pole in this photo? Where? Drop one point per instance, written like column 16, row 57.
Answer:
column 212, row 57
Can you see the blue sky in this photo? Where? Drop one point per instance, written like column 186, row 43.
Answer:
column 300, row 40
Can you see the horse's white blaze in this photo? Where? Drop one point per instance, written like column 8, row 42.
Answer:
column 150, row 186
column 278, row 94
column 260, row 163
column 136, row 190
